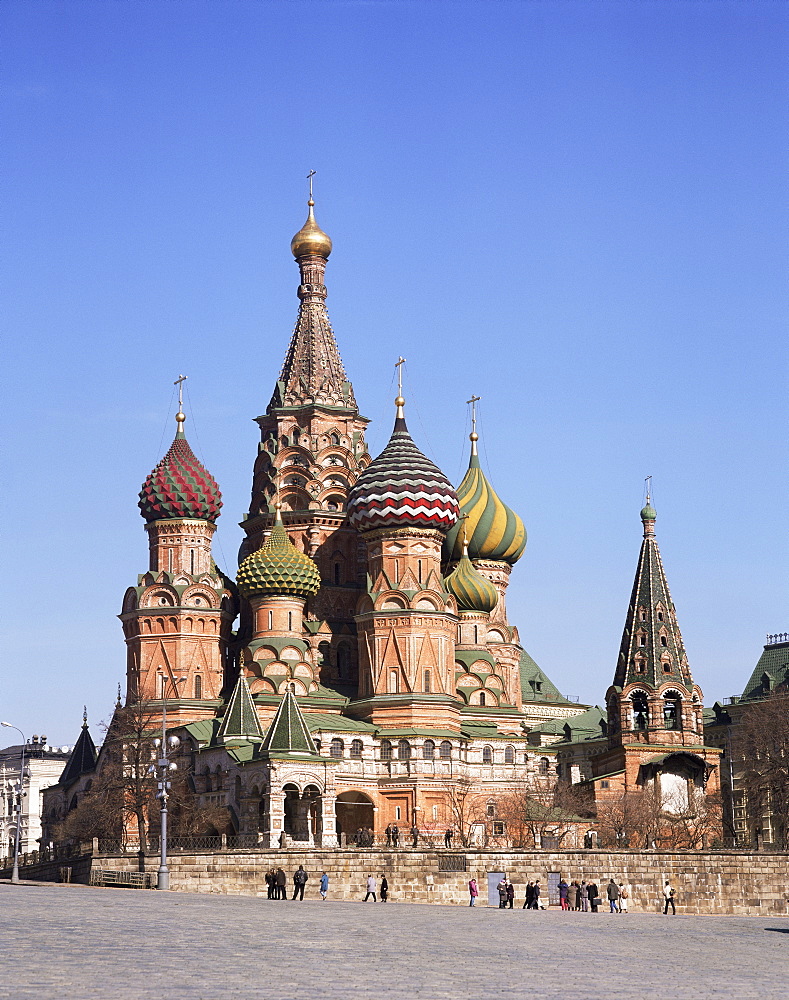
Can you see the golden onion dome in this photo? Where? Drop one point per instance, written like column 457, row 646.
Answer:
column 494, row 531
column 277, row 568
column 310, row 239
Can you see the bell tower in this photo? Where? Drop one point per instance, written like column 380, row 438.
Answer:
column 311, row 452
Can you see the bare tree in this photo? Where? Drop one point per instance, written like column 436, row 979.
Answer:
column 761, row 754
column 543, row 811
column 464, row 806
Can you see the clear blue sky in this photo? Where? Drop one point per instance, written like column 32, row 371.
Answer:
column 575, row 210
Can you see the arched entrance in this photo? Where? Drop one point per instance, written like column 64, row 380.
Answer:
column 354, row 812
column 302, row 813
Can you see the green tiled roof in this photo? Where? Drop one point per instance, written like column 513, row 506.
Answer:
column 288, row 733
column 337, row 723
column 203, row 730
column 589, row 725
column 773, row 666
column 536, row 686
column 240, row 720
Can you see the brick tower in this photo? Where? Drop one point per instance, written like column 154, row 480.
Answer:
column 407, row 622
column 177, row 619
column 311, row 452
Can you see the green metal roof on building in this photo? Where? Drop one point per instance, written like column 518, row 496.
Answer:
column 288, row 732
column 770, row 672
column 536, row 686
column 82, row 759
column 329, row 722
column 240, row 721
column 589, row 725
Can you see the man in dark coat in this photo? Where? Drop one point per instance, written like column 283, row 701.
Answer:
column 299, row 881
column 612, row 891
column 535, row 899
column 281, row 883
column 510, row 895
column 529, row 896
column 395, row 835
column 594, row 897
column 415, row 835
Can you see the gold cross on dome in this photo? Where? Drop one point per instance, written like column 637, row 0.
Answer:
column 310, row 175
column 179, row 382
column 648, row 482
column 399, row 366
column 474, row 400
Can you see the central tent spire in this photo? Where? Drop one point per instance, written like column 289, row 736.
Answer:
column 313, row 372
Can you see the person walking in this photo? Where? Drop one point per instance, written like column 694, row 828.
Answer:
column 612, row 891
column 395, row 835
column 414, row 835
column 371, row 888
column 510, row 895
column 448, row 838
column 537, row 903
column 529, row 896
column 624, row 895
column 299, row 881
column 594, row 896
column 324, row 886
column 473, row 892
column 572, row 895
column 668, row 895
column 281, row 884
column 388, row 834
column 384, row 888
column 583, row 896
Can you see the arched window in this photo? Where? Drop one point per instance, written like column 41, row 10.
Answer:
column 356, row 749
column 544, row 765
column 270, row 620
column 487, row 755
column 642, row 639
column 428, row 750
column 386, row 750
column 337, row 747
column 404, row 750
column 445, row 750
column 427, row 682
column 509, row 755
column 393, row 681
column 198, row 686
column 663, row 640
column 660, row 616
column 482, row 697
column 640, row 710
column 337, row 573
column 317, row 744
column 672, row 710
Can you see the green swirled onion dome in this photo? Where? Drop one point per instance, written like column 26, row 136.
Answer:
column 493, row 530
column 471, row 589
column 402, row 488
column 180, row 486
column 278, row 568
column 648, row 513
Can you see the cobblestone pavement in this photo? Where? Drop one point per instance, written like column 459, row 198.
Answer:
column 80, row 943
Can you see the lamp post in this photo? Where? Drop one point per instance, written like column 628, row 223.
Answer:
column 162, row 769
column 18, row 803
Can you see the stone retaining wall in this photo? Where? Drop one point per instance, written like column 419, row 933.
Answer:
column 730, row 882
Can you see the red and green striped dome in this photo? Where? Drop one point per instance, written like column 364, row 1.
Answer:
column 180, row 486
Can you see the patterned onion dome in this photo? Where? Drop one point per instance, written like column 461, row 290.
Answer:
column 310, row 239
column 278, row 568
column 493, row 530
column 180, row 486
column 471, row 589
column 402, row 488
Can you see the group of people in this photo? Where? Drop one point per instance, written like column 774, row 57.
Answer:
column 372, row 887
column 277, row 881
column 575, row 895
column 586, row 896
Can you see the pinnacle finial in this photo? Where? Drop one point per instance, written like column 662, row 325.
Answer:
column 310, row 240
column 400, row 401
column 84, row 716
column 180, row 416
column 119, row 703
column 473, row 436
column 648, row 512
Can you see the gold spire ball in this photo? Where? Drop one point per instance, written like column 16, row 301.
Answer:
column 310, row 239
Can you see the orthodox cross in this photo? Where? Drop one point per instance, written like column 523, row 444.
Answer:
column 648, row 482
column 474, row 400
column 399, row 366
column 179, row 382
column 310, row 175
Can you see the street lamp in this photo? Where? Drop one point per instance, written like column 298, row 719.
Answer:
column 18, row 803
column 162, row 769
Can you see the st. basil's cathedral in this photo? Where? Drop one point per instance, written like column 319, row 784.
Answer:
column 373, row 667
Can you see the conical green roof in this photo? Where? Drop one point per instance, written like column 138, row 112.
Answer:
column 288, row 731
column 493, row 530
column 278, row 568
column 240, row 721
column 471, row 589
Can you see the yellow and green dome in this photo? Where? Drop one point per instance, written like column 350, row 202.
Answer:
column 471, row 589
column 493, row 530
column 278, row 568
